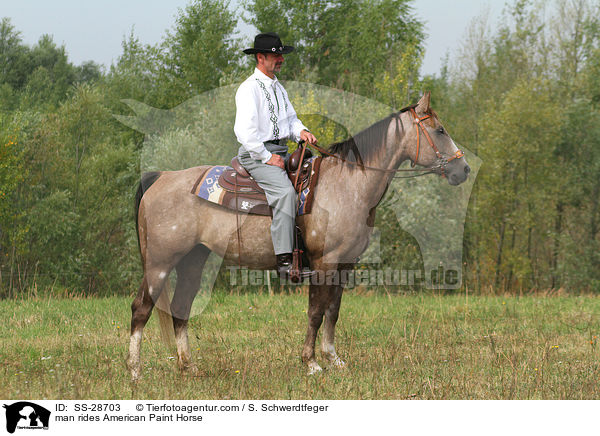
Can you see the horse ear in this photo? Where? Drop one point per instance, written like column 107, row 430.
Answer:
column 423, row 105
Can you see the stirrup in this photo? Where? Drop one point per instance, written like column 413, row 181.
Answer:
column 297, row 274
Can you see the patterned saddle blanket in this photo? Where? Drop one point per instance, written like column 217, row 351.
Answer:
column 232, row 187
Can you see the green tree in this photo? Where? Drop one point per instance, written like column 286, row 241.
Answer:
column 51, row 77
column 83, row 178
column 15, row 176
column 88, row 72
column 40, row 75
column 136, row 74
column 197, row 55
column 14, row 61
column 201, row 49
column 345, row 44
column 526, row 207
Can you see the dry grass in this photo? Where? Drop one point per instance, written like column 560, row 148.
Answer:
column 247, row 347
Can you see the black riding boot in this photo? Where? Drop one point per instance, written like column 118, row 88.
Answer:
column 284, row 265
column 285, row 268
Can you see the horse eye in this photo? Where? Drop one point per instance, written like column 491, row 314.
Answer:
column 441, row 131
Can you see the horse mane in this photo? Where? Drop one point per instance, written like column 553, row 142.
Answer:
column 366, row 143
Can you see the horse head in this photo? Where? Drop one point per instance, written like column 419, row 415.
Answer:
column 428, row 144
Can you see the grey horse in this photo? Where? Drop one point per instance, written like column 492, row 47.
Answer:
column 179, row 230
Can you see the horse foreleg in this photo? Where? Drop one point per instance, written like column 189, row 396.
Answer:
column 317, row 299
column 189, row 275
column 141, row 309
column 331, row 317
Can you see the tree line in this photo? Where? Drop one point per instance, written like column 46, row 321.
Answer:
column 524, row 96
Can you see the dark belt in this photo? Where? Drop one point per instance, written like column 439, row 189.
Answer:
column 277, row 142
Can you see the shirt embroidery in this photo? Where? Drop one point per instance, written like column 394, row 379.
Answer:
column 276, row 99
column 285, row 105
column 273, row 117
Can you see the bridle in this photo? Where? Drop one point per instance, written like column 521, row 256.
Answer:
column 442, row 161
column 438, row 167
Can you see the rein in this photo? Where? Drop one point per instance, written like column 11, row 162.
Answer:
column 440, row 163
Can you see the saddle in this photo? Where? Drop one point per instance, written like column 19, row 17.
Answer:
column 234, row 188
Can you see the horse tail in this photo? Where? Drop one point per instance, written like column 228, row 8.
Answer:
column 165, row 319
column 145, row 182
column 163, row 304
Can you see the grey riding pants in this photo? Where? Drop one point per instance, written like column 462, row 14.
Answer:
column 280, row 193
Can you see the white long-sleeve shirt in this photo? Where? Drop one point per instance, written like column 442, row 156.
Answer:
column 264, row 113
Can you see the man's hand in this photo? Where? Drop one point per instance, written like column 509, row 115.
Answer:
column 277, row 161
column 305, row 135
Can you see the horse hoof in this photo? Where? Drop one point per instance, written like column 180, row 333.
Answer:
column 135, row 369
column 314, row 368
column 189, row 369
column 333, row 360
column 135, row 374
column 338, row 363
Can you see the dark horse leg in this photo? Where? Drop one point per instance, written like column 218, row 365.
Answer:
column 323, row 301
column 189, row 275
column 317, row 296
column 141, row 309
column 332, row 311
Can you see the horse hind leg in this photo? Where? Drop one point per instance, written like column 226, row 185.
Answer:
column 189, row 275
column 141, row 309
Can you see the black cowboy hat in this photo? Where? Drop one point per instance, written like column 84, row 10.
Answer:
column 269, row 43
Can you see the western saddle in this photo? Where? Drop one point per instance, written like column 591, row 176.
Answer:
column 244, row 194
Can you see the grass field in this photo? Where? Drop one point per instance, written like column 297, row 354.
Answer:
column 248, row 347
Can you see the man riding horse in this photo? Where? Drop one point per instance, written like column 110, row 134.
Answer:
column 265, row 119
column 178, row 231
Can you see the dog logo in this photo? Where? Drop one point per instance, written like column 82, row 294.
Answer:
column 26, row 415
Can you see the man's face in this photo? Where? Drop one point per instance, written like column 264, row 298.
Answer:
column 271, row 61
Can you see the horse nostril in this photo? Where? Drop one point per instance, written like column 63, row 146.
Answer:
column 467, row 169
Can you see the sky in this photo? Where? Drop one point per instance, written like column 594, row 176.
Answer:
column 94, row 30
